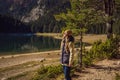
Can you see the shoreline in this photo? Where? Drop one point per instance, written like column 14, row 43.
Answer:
column 34, row 53
column 58, row 36
column 27, row 54
column 15, row 65
column 12, row 60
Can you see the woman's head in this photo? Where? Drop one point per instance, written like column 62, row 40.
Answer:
column 68, row 38
column 67, row 33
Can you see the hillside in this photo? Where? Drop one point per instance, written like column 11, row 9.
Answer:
column 30, row 10
column 38, row 13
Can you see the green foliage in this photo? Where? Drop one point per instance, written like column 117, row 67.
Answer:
column 80, row 16
column 48, row 72
column 89, row 13
column 102, row 50
column 81, row 13
column 116, row 27
column 117, row 76
column 87, row 60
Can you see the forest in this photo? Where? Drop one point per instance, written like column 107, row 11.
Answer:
column 48, row 23
column 11, row 25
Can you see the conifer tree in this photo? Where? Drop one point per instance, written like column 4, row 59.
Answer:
column 79, row 17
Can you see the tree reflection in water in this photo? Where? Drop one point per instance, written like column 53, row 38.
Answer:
column 27, row 43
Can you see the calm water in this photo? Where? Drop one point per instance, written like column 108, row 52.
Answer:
column 22, row 43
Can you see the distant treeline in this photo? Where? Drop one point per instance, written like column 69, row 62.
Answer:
column 11, row 25
column 101, row 29
column 45, row 24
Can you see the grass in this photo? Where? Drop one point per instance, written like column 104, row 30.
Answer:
column 48, row 72
column 117, row 76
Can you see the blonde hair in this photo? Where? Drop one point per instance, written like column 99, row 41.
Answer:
column 69, row 32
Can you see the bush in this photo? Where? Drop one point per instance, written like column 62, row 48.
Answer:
column 117, row 76
column 48, row 72
column 102, row 50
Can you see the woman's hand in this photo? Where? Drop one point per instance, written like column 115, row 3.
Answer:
column 70, row 65
column 64, row 36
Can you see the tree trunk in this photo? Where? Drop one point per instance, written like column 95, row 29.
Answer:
column 81, row 44
column 109, row 10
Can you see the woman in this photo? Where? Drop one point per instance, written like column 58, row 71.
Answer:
column 67, row 50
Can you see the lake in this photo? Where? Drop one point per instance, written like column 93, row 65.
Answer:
column 26, row 43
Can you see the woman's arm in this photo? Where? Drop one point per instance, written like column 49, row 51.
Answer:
column 71, row 48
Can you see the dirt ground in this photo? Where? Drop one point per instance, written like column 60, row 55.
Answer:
column 23, row 67
column 14, row 65
column 102, row 70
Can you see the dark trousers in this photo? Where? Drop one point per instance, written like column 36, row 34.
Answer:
column 66, row 70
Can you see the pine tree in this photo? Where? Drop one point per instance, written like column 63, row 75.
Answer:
column 79, row 17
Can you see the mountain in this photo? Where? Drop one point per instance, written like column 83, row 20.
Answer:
column 39, row 14
column 31, row 10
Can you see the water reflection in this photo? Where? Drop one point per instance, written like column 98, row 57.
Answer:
column 26, row 43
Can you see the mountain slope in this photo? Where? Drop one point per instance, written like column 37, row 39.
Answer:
column 29, row 10
column 38, row 13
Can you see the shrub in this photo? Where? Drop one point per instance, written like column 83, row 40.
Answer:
column 87, row 59
column 102, row 50
column 117, row 76
column 48, row 72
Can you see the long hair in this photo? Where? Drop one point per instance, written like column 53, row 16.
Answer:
column 69, row 38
